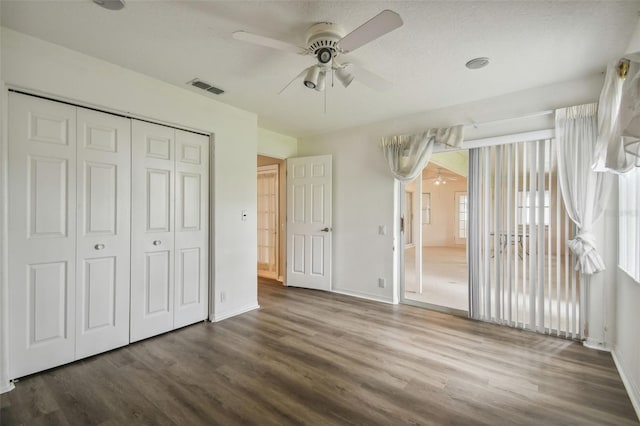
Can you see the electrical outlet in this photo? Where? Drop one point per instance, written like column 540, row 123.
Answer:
column 381, row 282
column 382, row 230
column 223, row 297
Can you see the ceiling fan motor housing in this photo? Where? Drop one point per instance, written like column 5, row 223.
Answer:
column 322, row 40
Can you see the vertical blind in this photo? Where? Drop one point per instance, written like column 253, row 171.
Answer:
column 520, row 267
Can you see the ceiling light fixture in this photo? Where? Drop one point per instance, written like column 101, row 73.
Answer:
column 321, row 79
column 344, row 76
column 311, row 80
column 477, row 63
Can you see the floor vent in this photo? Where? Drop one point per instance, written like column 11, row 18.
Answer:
column 196, row 82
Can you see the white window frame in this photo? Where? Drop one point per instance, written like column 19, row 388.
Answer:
column 524, row 206
column 629, row 223
column 426, row 208
column 458, row 196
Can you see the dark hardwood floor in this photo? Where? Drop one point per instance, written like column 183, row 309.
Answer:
column 308, row 357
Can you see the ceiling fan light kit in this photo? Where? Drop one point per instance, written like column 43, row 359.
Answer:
column 311, row 80
column 321, row 81
column 326, row 41
column 344, row 76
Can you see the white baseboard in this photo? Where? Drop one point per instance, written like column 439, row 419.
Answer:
column 242, row 310
column 595, row 344
column 632, row 389
column 6, row 387
column 371, row 297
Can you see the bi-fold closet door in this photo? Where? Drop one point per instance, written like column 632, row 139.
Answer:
column 68, row 233
column 72, row 247
column 169, row 229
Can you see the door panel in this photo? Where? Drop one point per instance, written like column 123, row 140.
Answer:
column 309, row 186
column 41, row 211
column 152, row 233
column 103, row 232
column 99, row 288
column 47, row 302
column 192, row 230
column 47, row 203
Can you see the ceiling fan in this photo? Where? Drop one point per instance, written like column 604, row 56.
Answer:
column 326, row 41
column 439, row 179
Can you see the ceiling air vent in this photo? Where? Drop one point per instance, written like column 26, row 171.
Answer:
column 196, row 82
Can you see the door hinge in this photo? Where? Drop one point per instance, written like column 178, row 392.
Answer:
column 402, row 224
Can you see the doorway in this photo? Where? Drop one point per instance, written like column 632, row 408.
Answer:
column 436, row 216
column 271, row 205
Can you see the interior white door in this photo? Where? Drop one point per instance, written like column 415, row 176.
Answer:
column 42, row 235
column 309, row 226
column 102, row 231
column 192, row 228
column 152, row 229
column 268, row 236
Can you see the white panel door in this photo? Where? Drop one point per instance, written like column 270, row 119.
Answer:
column 192, row 228
column 103, row 232
column 152, row 229
column 309, row 184
column 42, row 198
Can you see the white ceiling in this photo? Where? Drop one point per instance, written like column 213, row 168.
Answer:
column 530, row 43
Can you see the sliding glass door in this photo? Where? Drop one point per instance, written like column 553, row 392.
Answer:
column 521, row 271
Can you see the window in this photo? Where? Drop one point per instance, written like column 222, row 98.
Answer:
column 524, row 207
column 629, row 223
column 426, row 208
column 461, row 201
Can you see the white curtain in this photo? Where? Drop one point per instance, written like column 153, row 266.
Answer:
column 407, row 155
column 618, row 145
column 584, row 190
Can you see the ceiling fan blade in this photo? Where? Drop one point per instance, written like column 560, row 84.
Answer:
column 268, row 42
column 384, row 22
column 370, row 79
column 295, row 78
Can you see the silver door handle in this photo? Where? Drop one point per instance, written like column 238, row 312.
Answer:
column 325, row 230
column 98, row 246
column 157, row 242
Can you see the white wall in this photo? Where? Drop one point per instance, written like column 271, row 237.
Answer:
column 38, row 65
column 276, row 145
column 626, row 348
column 364, row 190
column 363, row 193
column 624, row 317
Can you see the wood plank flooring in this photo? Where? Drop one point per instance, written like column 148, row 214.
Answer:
column 308, row 357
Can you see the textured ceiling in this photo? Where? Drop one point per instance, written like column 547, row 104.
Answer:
column 530, row 43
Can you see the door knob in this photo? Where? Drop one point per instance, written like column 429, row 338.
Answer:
column 325, row 230
column 98, row 246
column 157, row 242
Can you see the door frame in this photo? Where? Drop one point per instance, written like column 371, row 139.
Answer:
column 7, row 385
column 399, row 208
column 276, row 168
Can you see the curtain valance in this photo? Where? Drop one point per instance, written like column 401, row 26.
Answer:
column 407, row 155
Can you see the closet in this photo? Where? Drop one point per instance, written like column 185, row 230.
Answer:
column 169, row 229
column 99, row 256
